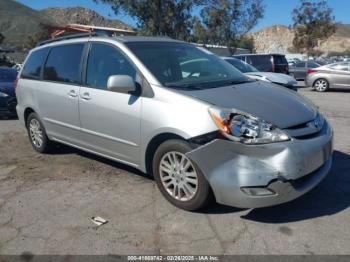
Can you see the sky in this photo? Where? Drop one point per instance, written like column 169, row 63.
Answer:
column 276, row 11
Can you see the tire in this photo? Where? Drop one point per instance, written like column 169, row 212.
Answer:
column 321, row 85
column 37, row 134
column 188, row 195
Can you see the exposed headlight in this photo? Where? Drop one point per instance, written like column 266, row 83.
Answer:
column 3, row 94
column 246, row 128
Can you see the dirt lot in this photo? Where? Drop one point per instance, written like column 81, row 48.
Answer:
column 46, row 202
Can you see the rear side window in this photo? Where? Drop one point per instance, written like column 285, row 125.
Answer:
column 262, row 63
column 64, row 63
column 300, row 64
column 341, row 67
column 312, row 65
column 32, row 67
column 280, row 60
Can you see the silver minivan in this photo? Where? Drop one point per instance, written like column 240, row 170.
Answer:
column 177, row 112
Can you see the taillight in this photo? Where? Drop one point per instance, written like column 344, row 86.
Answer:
column 311, row 71
column 15, row 83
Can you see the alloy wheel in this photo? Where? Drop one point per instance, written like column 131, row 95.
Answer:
column 321, row 85
column 36, row 133
column 178, row 176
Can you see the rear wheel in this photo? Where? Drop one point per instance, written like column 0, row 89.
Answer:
column 321, row 85
column 178, row 178
column 37, row 134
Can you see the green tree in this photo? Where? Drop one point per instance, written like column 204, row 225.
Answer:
column 43, row 34
column 313, row 24
column 226, row 22
column 158, row 17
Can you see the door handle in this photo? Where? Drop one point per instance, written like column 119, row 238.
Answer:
column 86, row 96
column 72, row 93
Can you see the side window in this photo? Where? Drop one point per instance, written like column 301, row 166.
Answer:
column 32, row 67
column 261, row 62
column 341, row 67
column 301, row 65
column 63, row 64
column 312, row 65
column 104, row 61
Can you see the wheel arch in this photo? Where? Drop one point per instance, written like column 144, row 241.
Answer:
column 26, row 114
column 152, row 146
column 322, row 77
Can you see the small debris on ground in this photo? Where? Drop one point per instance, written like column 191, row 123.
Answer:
column 99, row 221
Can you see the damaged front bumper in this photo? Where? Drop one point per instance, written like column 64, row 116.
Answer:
column 252, row 176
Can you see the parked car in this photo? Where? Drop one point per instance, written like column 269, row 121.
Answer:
column 325, row 77
column 201, row 131
column 8, row 100
column 276, row 63
column 252, row 72
column 299, row 70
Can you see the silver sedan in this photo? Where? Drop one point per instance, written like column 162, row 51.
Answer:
column 329, row 76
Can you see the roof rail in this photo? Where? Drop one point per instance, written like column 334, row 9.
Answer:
column 72, row 36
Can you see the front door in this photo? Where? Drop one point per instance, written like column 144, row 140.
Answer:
column 110, row 121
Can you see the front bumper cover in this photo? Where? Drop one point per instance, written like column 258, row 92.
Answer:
column 290, row 169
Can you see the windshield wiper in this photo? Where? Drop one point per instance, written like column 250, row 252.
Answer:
column 185, row 86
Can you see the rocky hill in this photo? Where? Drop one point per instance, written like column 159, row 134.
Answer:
column 18, row 22
column 279, row 38
column 80, row 15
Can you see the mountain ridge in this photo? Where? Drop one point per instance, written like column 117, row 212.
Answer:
column 279, row 38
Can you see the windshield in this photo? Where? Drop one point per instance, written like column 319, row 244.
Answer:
column 7, row 75
column 241, row 65
column 185, row 66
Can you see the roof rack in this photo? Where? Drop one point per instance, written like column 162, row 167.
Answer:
column 73, row 36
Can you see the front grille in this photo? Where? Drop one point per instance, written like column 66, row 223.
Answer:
column 307, row 130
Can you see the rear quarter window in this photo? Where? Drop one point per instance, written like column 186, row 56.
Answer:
column 33, row 65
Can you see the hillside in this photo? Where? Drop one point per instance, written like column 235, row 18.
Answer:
column 80, row 15
column 18, row 22
column 279, row 39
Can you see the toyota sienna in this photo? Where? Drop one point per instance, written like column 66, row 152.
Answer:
column 177, row 112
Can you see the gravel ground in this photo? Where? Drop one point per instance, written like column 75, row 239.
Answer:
column 46, row 202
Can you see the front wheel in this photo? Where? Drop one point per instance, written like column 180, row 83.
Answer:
column 321, row 85
column 178, row 178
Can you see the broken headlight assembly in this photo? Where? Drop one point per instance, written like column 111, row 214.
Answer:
column 246, row 128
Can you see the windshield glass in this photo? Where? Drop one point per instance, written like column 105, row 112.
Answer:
column 241, row 65
column 185, row 66
column 7, row 75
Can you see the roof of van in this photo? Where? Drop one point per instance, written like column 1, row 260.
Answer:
column 124, row 39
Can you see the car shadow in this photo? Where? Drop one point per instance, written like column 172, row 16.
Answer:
column 6, row 117
column 66, row 150
column 331, row 196
column 338, row 90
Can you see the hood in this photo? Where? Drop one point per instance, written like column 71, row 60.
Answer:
column 279, row 106
column 7, row 88
column 273, row 77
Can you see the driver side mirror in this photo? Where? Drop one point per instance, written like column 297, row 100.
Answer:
column 121, row 84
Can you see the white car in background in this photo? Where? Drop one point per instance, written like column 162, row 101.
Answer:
column 250, row 71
